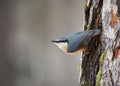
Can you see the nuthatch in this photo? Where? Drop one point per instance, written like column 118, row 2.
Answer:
column 77, row 42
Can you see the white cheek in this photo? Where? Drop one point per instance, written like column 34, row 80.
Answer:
column 62, row 46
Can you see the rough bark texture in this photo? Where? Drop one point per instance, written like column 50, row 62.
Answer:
column 101, row 61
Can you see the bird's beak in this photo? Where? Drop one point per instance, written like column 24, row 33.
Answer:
column 54, row 41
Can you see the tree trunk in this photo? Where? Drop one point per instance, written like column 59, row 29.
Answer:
column 101, row 61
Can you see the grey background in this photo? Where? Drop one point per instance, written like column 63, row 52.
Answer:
column 35, row 61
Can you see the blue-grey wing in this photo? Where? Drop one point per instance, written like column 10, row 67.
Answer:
column 76, row 41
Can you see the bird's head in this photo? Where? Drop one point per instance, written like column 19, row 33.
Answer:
column 62, row 44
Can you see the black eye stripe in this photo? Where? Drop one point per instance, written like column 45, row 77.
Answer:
column 60, row 41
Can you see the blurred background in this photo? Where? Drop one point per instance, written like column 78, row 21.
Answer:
column 27, row 56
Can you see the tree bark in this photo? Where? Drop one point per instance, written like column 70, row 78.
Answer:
column 101, row 60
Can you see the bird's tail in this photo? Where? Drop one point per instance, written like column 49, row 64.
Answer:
column 96, row 32
column 92, row 34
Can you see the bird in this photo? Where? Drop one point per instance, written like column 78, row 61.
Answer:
column 77, row 42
